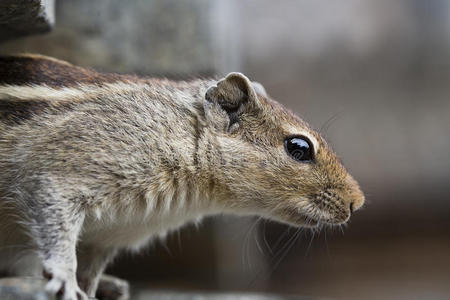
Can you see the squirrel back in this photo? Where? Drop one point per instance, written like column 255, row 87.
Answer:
column 32, row 69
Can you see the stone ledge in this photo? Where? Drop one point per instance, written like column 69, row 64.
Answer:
column 180, row 295
column 23, row 288
column 32, row 288
column 25, row 17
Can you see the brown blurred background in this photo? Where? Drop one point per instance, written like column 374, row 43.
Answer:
column 372, row 75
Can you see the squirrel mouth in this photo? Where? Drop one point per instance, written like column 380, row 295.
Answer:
column 307, row 221
column 299, row 219
column 315, row 217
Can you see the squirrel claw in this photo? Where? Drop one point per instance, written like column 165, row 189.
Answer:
column 60, row 285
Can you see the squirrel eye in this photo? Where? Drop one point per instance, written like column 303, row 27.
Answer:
column 299, row 148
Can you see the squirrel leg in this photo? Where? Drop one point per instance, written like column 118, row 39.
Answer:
column 55, row 223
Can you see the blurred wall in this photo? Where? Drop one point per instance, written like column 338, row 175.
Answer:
column 169, row 38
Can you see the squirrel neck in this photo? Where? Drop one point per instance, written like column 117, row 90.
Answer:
column 189, row 171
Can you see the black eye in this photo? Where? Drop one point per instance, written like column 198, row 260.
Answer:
column 299, row 148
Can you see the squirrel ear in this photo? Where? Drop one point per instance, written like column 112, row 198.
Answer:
column 226, row 101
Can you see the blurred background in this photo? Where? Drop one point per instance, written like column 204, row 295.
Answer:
column 372, row 75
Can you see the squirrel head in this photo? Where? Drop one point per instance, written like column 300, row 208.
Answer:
column 271, row 162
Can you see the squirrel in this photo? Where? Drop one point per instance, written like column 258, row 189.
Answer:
column 95, row 163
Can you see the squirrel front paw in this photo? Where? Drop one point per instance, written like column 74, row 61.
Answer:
column 63, row 286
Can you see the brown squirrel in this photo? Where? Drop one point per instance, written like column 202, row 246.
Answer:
column 93, row 163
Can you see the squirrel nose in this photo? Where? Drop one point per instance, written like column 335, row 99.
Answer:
column 356, row 196
column 357, row 201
